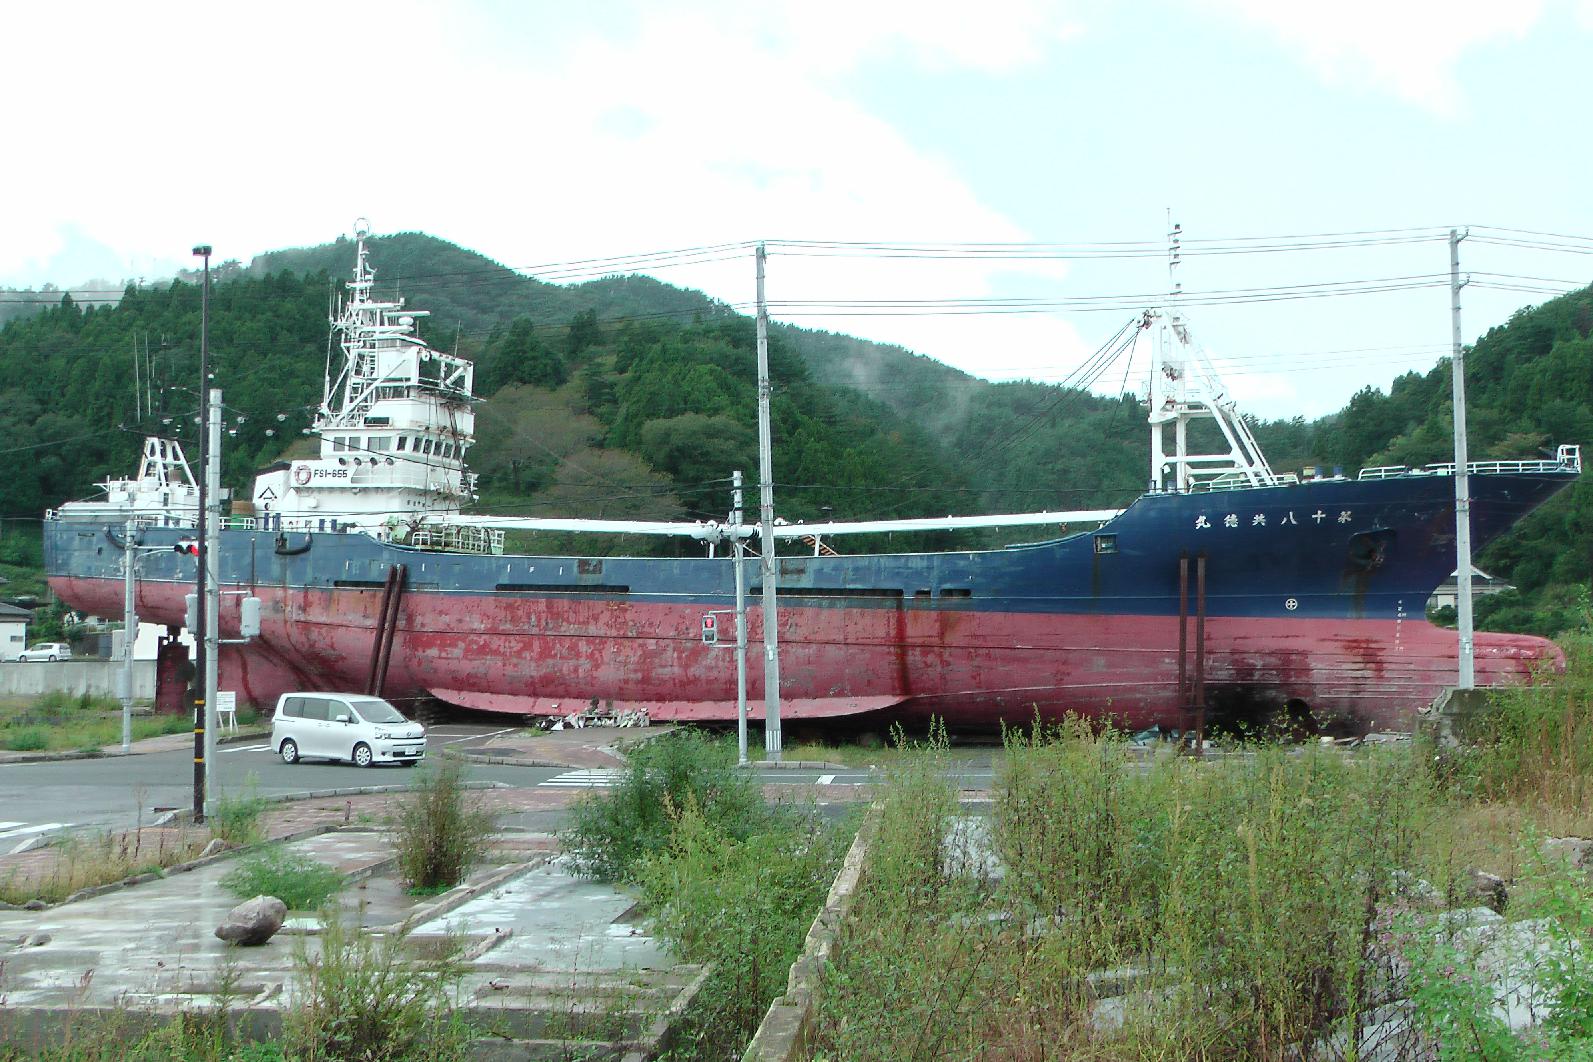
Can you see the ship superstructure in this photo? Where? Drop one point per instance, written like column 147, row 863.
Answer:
column 394, row 425
column 163, row 493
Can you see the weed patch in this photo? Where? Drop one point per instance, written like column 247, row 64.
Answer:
column 86, row 861
column 743, row 905
column 438, row 831
column 364, row 998
column 27, row 739
column 1221, row 909
column 236, row 817
column 612, row 832
column 1536, row 745
column 297, row 880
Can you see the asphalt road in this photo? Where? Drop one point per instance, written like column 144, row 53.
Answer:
column 117, row 792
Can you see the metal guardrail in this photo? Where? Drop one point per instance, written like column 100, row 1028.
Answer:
column 1568, row 459
column 1239, row 481
column 458, row 539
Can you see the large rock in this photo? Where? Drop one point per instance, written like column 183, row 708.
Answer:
column 1577, row 851
column 253, row 921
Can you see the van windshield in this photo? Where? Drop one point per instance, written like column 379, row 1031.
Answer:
column 375, row 711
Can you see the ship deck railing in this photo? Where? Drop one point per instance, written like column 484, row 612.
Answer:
column 1568, row 460
column 455, row 538
column 448, row 538
column 120, row 517
column 1237, row 481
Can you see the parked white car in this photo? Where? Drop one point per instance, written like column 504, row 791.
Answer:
column 345, row 726
column 46, row 651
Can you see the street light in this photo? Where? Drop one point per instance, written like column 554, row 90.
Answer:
column 201, row 660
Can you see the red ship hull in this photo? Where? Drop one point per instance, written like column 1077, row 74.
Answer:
column 972, row 669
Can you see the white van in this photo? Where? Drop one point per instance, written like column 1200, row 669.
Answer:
column 345, row 726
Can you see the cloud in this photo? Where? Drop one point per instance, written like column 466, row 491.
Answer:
column 531, row 135
column 1409, row 48
column 993, row 37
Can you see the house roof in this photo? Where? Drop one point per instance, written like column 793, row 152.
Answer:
column 11, row 612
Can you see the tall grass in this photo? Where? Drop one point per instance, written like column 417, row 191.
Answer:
column 361, row 997
column 730, row 882
column 83, row 861
column 612, row 832
column 1175, row 909
column 912, row 966
column 744, row 907
column 236, row 818
column 1536, row 744
column 439, row 831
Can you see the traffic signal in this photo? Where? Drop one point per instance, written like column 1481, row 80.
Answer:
column 189, row 547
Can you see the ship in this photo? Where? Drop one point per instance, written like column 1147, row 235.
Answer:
column 1224, row 588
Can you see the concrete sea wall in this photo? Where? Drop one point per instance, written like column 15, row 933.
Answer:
column 97, row 678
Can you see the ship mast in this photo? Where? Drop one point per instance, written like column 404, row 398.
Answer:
column 1184, row 388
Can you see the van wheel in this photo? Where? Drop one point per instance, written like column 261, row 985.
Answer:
column 362, row 755
column 290, row 751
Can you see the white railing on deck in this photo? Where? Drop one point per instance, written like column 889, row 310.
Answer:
column 1567, row 459
column 1239, row 481
column 458, row 539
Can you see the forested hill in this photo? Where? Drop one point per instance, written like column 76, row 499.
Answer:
column 1529, row 388
column 625, row 396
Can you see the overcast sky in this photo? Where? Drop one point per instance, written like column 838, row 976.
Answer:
column 539, row 132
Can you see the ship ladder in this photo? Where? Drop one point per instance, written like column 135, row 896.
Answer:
column 820, row 548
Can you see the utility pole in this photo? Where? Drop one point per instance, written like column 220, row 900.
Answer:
column 210, row 558
column 1457, row 373
column 738, row 554
column 771, row 645
column 129, row 632
column 201, row 659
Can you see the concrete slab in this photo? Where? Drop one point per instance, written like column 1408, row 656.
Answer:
column 153, row 944
column 558, row 921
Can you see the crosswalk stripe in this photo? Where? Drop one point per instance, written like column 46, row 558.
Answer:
column 595, row 778
column 826, row 779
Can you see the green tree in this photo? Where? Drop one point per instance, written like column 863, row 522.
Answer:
column 519, row 356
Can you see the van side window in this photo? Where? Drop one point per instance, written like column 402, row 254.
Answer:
column 315, row 708
column 293, row 708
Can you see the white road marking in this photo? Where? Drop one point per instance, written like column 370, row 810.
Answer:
column 27, row 831
column 482, row 737
column 826, row 779
column 594, row 778
column 250, row 748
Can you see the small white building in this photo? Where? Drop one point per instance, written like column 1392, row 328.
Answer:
column 13, row 631
column 1482, row 584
